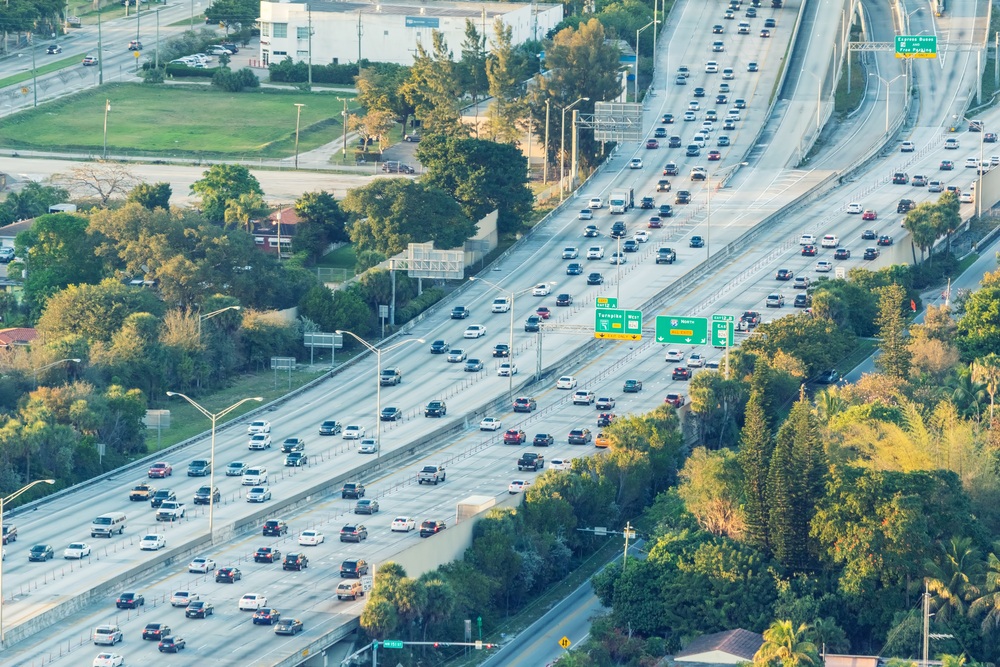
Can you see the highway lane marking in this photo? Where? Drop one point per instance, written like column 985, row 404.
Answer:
column 547, row 637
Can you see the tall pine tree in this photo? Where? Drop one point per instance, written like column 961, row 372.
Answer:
column 892, row 329
column 756, row 446
column 810, row 462
column 782, row 500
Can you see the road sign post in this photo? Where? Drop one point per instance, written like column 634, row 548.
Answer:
column 683, row 330
column 565, row 643
column 916, row 46
column 723, row 331
column 618, row 324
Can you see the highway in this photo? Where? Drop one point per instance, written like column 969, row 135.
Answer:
column 755, row 193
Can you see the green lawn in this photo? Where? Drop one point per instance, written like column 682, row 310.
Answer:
column 341, row 258
column 844, row 102
column 178, row 120
column 42, row 69
column 199, row 19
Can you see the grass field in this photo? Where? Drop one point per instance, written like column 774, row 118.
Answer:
column 178, row 120
column 43, row 69
column 199, row 19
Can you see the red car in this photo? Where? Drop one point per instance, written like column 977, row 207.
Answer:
column 652, row 143
column 809, row 250
column 161, row 470
column 655, row 223
column 869, row 214
column 714, row 155
column 676, row 400
column 514, row 437
column 543, row 313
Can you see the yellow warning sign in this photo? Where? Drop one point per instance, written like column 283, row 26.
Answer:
column 565, row 642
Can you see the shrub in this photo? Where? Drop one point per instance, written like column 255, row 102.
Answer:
column 182, row 71
column 234, row 82
column 430, row 296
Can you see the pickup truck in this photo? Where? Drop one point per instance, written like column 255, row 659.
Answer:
column 141, row 492
column 531, row 461
column 170, row 511
column 431, row 475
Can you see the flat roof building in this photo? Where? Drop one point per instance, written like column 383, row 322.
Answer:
column 344, row 32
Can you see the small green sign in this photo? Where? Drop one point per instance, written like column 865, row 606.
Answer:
column 916, row 46
column 607, row 302
column 392, row 643
column 684, row 330
column 723, row 318
column 618, row 324
column 722, row 333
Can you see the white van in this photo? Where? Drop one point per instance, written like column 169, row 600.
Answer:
column 255, row 476
column 108, row 524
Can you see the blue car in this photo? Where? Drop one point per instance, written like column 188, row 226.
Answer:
column 574, row 269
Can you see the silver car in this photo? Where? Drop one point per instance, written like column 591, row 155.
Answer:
column 183, row 598
column 258, row 494
column 457, row 356
column 368, row 447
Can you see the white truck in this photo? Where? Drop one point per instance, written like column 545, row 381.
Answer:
column 501, row 305
column 170, row 511
column 621, row 201
column 431, row 475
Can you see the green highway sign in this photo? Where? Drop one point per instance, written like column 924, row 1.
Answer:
column 723, row 318
column 392, row 643
column 618, row 324
column 691, row 330
column 916, row 46
column 722, row 333
column 607, row 302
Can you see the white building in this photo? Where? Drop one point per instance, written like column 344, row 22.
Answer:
column 389, row 31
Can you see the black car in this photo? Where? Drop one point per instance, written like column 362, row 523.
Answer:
column 199, row 468
column 353, row 533
column 809, row 251
column 199, row 610
column 293, row 445
column 699, row 92
column 605, row 419
column 275, row 528
column 295, row 562
column 266, row 616
column 869, row 235
column 667, row 118
column 828, row 377
column 721, row 99
column 784, row 274
column 353, row 568
column 696, row 242
column 630, row 246
column 172, row 644
column 871, row 253
column 41, row 552
column 717, row 30
column 682, row 197
column 885, row 240
column 751, row 13
column 353, row 490
column 564, row 300
column 53, row 48
column 591, row 232
column 162, row 496
column 228, row 575
column 330, row 427
column 459, row 313
column 802, row 301
column 391, row 414
column 288, row 626
column 647, row 202
column 674, row 141
column 436, row 409
column 266, row 555
column 205, row 495
column 428, row 528
column 543, row 440
column 666, row 211
column 594, row 279
column 579, row 436
column 842, row 253
column 130, row 601
column 632, row 386
column 439, row 347
column 156, row 631
column 681, row 373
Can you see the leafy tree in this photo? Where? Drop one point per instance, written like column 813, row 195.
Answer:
column 373, row 125
column 923, row 230
column 243, row 210
column 755, row 450
column 221, row 184
column 825, row 633
column 482, row 176
column 979, row 326
column 946, row 218
column 96, row 312
column 321, row 222
column 151, row 196
column 235, row 82
column 366, row 259
column 895, row 356
column 434, row 90
column 987, row 371
column 31, row 201
column 133, row 355
column 710, row 490
column 783, row 502
column 506, row 109
column 816, row 342
column 381, row 89
column 232, row 14
column 472, row 67
column 394, row 212
column 787, row 646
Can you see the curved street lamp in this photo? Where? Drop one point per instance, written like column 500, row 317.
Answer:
column 202, row 318
column 54, row 363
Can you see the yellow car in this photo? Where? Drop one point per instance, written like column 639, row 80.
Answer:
column 602, row 440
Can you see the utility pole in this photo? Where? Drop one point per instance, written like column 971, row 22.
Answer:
column 192, row 15
column 107, row 108
column 138, row 16
column 310, row 46
column 298, row 115
column 545, row 151
column 927, row 620
column 34, row 72
column 100, row 52
column 344, row 114
column 359, row 38
column 157, row 39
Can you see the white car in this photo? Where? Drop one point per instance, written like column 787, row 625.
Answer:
column 585, row 214
column 259, row 426
column 311, row 538
column 505, row 370
column 823, row 266
column 712, row 67
column 807, row 239
column 641, row 236
column 690, row 115
column 518, row 485
column 76, row 550
column 636, row 163
column 595, row 253
column 596, row 202
column 966, row 198
column 854, row 208
column 258, row 494
column 570, row 253
column 354, row 432
column 500, row 305
column 971, row 162
column 830, row 241
column 694, row 106
column 403, row 524
column 183, row 598
column 675, row 356
column 707, row 126
column 252, row 602
column 152, row 543
column 542, row 290
column 490, row 424
column 696, row 360
column 907, row 147
column 566, row 382
column 260, row 441
column 201, row 565
column 255, row 476
column 475, row 331
column 108, row 660
column 618, row 258
column 561, row 464
column 368, row 447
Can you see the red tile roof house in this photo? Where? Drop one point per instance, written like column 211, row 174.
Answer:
column 265, row 232
column 16, row 336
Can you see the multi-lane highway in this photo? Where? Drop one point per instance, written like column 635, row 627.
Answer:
column 349, row 396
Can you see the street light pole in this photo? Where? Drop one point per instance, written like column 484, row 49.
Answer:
column 211, row 460
column 344, row 114
column 3, row 501
column 54, row 363
column 562, row 148
column 298, row 116
column 202, row 318
column 107, row 108
column 378, row 381
column 887, row 84
column 654, row 22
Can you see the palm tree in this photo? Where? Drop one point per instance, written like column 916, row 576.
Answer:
column 785, row 644
column 826, row 634
column 987, row 371
column 967, row 393
column 990, row 601
column 951, row 578
column 241, row 212
column 829, row 403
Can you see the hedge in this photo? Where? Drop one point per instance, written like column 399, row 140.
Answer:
column 430, row 296
column 179, row 71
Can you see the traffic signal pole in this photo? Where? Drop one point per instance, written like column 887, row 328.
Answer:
column 393, row 643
